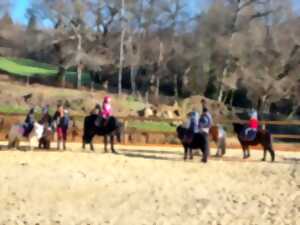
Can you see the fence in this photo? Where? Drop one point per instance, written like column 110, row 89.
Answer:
column 178, row 120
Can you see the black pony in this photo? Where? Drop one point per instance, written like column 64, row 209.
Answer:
column 200, row 141
column 263, row 137
column 91, row 127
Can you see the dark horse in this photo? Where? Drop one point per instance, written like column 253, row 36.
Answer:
column 263, row 137
column 90, row 129
column 200, row 141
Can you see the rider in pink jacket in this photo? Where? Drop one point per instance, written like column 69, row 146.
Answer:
column 106, row 111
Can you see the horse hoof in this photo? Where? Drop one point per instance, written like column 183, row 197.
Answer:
column 204, row 160
column 263, row 159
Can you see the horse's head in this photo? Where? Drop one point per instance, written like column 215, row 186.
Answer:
column 238, row 128
column 181, row 132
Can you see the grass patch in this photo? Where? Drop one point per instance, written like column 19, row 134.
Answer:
column 26, row 67
column 152, row 126
column 133, row 104
column 8, row 109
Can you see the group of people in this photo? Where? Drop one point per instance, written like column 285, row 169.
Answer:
column 59, row 122
column 197, row 123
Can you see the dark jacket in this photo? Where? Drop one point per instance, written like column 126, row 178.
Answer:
column 61, row 121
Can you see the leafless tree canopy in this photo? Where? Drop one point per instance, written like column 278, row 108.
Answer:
column 232, row 44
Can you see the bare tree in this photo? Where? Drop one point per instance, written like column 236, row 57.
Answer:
column 120, row 75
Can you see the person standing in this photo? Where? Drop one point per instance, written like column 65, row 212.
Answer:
column 61, row 118
column 29, row 122
column 192, row 125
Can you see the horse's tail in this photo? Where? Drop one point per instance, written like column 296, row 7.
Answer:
column 87, row 125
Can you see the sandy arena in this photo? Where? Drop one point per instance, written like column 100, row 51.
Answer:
column 148, row 185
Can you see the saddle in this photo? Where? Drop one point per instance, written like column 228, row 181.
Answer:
column 101, row 122
column 188, row 138
column 249, row 135
column 25, row 130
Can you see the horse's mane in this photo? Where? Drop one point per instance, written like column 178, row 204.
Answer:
column 238, row 128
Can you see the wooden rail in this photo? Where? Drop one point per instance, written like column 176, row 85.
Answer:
column 177, row 120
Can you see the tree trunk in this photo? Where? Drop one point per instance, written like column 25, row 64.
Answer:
column 61, row 76
column 232, row 98
column 92, row 86
column 221, row 88
column 133, row 73
column 27, row 80
column 221, row 93
column 157, row 85
column 79, row 75
column 160, row 61
column 176, row 86
column 121, row 50
column 294, row 111
column 261, row 106
column 79, row 66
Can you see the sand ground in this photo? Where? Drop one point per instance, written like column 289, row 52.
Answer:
column 147, row 185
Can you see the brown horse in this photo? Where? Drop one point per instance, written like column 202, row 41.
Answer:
column 263, row 137
column 218, row 135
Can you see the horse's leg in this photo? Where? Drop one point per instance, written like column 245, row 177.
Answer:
column 272, row 152
column 17, row 144
column 191, row 153
column 219, row 150
column 205, row 150
column 265, row 154
column 223, row 146
column 244, row 152
column 112, row 146
column 40, row 143
column 248, row 152
column 92, row 144
column 10, row 144
column 105, row 143
column 83, row 141
column 185, row 152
